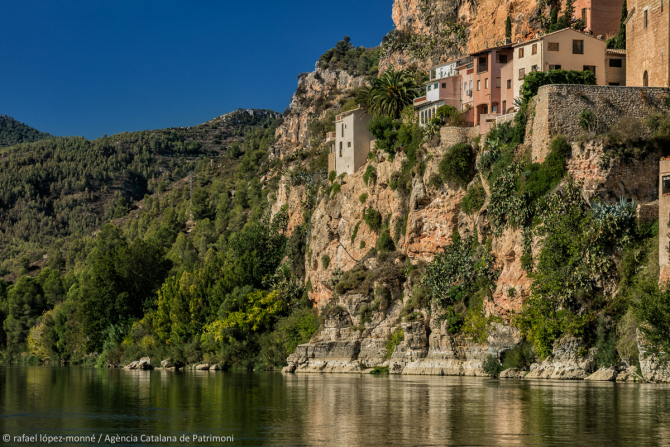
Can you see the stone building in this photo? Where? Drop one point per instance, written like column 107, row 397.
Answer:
column 601, row 17
column 487, row 84
column 647, row 43
column 616, row 67
column 467, row 74
column 443, row 88
column 664, row 219
column 566, row 49
column 352, row 141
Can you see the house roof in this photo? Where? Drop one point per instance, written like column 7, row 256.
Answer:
column 556, row 32
column 616, row 51
column 488, row 50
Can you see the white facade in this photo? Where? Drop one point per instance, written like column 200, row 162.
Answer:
column 352, row 141
column 436, row 73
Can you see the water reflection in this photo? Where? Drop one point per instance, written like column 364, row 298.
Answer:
column 351, row 410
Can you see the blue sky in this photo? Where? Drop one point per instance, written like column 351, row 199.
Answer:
column 88, row 68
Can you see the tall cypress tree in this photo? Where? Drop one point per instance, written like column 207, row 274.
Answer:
column 619, row 41
column 508, row 28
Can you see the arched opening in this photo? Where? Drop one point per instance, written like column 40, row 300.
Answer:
column 645, row 79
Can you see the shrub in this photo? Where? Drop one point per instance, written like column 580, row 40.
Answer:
column 435, row 181
column 474, row 199
column 355, row 233
column 385, row 242
column 325, row 261
column 380, row 370
column 351, row 279
column 373, row 219
column 520, row 357
column 587, row 120
column 538, row 179
column 370, row 175
column 335, row 189
column 385, row 131
column 491, row 366
column 397, row 337
column 362, row 245
column 457, row 165
column 536, row 79
column 332, row 176
column 363, row 197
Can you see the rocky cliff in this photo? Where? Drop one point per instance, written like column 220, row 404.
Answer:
column 430, row 32
column 372, row 306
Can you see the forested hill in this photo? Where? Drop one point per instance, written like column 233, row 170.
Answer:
column 62, row 187
column 14, row 132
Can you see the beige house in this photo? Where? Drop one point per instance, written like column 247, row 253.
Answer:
column 616, row 67
column 352, row 141
column 566, row 49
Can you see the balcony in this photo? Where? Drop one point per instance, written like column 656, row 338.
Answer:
column 419, row 101
column 330, row 137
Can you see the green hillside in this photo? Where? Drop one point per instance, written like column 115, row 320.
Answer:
column 14, row 132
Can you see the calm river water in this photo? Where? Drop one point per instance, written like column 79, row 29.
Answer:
column 349, row 410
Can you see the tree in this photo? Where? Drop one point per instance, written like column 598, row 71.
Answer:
column 619, row 41
column 25, row 304
column 392, row 92
column 508, row 28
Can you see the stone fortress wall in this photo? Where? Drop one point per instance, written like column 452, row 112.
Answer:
column 556, row 110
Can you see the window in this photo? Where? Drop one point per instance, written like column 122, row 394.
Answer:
column 486, row 83
column 433, row 74
column 470, row 84
column 497, row 82
column 616, row 63
column 520, row 53
column 465, row 85
column 485, row 109
column 522, row 73
column 479, row 85
column 342, row 131
column 436, row 86
column 554, row 67
column 349, row 144
column 553, row 46
column 428, row 88
column 645, row 79
column 584, row 15
column 591, row 68
column 646, row 18
column 504, row 109
column 614, row 83
column 533, row 68
column 444, row 85
column 502, row 58
column 494, row 108
column 340, row 148
column 577, row 47
column 534, row 48
column 666, row 184
column 509, row 83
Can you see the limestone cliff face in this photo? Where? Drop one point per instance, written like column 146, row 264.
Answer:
column 317, row 91
column 446, row 29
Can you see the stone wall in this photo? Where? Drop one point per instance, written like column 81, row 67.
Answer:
column 556, row 110
column 647, row 47
column 450, row 135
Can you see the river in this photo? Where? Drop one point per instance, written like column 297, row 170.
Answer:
column 271, row 409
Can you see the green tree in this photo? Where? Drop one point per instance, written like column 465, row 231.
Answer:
column 508, row 27
column 392, row 92
column 619, row 41
column 25, row 304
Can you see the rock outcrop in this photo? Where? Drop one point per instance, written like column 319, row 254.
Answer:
column 142, row 364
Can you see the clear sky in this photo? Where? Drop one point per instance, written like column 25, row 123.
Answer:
column 90, row 67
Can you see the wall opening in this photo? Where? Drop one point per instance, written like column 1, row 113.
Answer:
column 645, row 79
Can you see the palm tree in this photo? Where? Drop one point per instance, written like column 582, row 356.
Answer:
column 391, row 93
